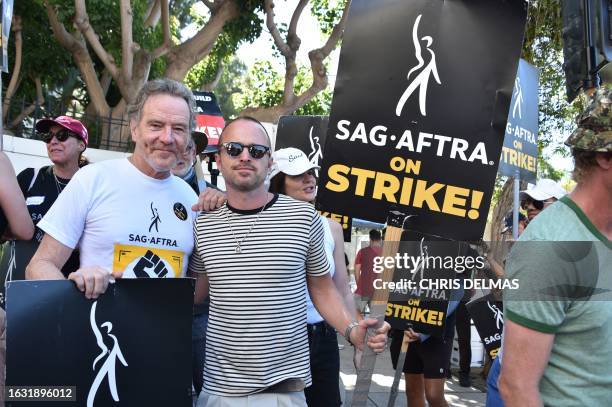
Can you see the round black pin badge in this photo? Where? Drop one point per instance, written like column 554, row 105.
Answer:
column 180, row 211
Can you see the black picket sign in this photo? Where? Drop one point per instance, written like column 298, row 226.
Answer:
column 488, row 316
column 419, row 126
column 308, row 133
column 130, row 347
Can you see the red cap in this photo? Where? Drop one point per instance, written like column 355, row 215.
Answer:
column 66, row 122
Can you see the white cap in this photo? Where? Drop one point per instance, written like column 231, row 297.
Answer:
column 544, row 189
column 291, row 161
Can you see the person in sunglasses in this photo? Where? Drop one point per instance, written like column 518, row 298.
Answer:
column 130, row 205
column 543, row 194
column 66, row 140
column 256, row 255
column 294, row 175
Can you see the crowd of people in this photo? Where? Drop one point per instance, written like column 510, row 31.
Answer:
column 265, row 261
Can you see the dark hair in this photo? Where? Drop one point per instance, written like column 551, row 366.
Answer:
column 375, row 235
column 83, row 161
column 277, row 183
column 247, row 118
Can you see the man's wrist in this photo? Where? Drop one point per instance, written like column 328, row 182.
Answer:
column 348, row 330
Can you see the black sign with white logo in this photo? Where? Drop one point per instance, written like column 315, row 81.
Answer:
column 180, row 211
column 520, row 150
column 308, row 134
column 488, row 316
column 420, row 129
column 423, row 283
column 130, row 347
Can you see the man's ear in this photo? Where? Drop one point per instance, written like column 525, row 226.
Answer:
column 604, row 160
column 133, row 126
column 82, row 146
column 270, row 162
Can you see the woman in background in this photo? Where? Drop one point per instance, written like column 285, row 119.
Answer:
column 294, row 175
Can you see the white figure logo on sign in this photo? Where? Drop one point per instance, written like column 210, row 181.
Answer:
column 421, row 80
column 316, row 153
column 498, row 315
column 108, row 367
column 518, row 99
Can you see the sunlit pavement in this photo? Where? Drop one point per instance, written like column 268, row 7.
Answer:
column 382, row 379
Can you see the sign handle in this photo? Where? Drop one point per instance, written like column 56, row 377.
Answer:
column 515, row 208
column 399, row 370
column 395, row 222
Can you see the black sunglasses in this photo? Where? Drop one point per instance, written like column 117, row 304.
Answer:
column 61, row 135
column 256, row 151
column 539, row 205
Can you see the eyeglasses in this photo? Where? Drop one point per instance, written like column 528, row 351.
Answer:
column 256, row 151
column 61, row 135
column 539, row 205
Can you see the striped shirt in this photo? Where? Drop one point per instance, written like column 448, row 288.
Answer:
column 257, row 333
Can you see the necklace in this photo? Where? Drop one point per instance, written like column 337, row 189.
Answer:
column 59, row 185
column 238, row 248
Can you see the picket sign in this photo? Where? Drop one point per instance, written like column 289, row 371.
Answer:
column 391, row 243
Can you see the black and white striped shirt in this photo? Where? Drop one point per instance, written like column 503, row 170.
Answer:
column 256, row 333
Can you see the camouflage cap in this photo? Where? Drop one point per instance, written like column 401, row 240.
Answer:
column 594, row 132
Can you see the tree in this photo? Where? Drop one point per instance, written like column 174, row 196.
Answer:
column 147, row 41
column 264, row 87
column 40, row 71
column 294, row 96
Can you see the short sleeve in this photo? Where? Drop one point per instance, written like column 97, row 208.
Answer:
column 196, row 265
column 65, row 220
column 550, row 279
column 316, row 261
column 358, row 257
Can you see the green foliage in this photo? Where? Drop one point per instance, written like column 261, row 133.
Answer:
column 233, row 71
column 327, row 13
column 264, row 87
column 543, row 47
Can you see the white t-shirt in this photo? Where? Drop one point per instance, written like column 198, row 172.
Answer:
column 312, row 315
column 124, row 220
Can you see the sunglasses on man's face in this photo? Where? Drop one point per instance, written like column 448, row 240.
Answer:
column 234, row 149
column 61, row 135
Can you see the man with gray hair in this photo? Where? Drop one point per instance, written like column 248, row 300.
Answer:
column 129, row 217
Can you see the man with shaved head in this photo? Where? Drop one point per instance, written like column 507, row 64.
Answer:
column 255, row 255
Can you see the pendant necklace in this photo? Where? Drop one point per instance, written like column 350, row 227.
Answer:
column 238, row 248
column 59, row 185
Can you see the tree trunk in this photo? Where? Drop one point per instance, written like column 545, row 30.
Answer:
column 31, row 108
column 12, row 86
column 115, row 130
column 501, row 209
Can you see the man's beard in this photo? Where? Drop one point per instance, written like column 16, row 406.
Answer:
column 249, row 185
